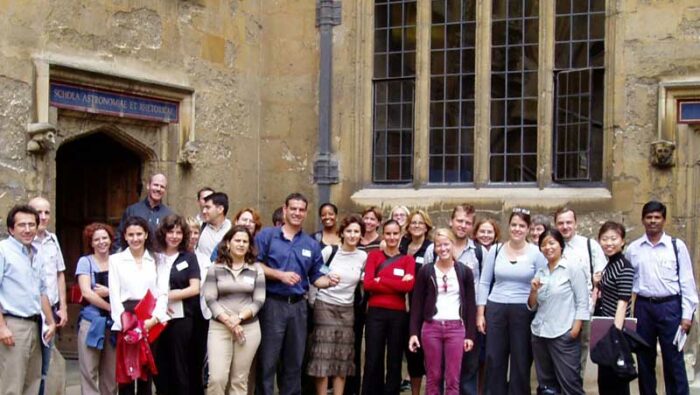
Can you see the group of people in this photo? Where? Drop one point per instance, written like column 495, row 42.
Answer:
column 207, row 304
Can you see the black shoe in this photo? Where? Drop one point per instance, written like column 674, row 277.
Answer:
column 405, row 386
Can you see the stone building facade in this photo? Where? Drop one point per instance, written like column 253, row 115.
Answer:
column 411, row 81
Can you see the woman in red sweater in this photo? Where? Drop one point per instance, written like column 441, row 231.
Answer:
column 389, row 276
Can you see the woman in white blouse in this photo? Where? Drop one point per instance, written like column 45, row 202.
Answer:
column 132, row 273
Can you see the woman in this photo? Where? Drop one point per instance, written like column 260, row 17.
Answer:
column 389, row 276
column 96, row 355
column 372, row 218
column 615, row 285
column 328, row 235
column 235, row 292
column 178, row 359
column 415, row 243
column 331, row 351
column 539, row 224
column 250, row 218
column 443, row 315
column 400, row 214
column 502, row 312
column 487, row 233
column 132, row 274
column 559, row 294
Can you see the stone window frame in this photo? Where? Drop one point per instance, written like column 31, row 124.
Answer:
column 543, row 192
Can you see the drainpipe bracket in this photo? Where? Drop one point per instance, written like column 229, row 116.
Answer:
column 328, row 12
column 326, row 170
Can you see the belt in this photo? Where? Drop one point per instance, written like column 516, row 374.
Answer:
column 290, row 299
column 657, row 300
column 33, row 318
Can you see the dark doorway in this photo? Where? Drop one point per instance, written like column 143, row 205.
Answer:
column 96, row 179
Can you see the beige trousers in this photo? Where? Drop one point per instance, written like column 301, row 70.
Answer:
column 20, row 365
column 97, row 367
column 229, row 361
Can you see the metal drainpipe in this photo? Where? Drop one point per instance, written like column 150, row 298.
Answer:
column 328, row 14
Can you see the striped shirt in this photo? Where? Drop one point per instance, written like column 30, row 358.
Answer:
column 616, row 283
column 227, row 291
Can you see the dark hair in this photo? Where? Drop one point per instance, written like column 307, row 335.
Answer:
column 328, row 204
column 654, row 206
column 467, row 208
column 522, row 215
column 143, row 224
column 169, row 223
column 296, row 196
column 20, row 208
column 553, row 233
column 377, row 212
column 254, row 213
column 90, row 230
column 493, row 223
column 614, row 226
column 224, row 252
column 563, row 210
column 347, row 221
column 205, row 189
column 218, row 199
column 390, row 222
column 277, row 216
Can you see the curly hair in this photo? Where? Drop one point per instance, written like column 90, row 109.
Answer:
column 169, row 223
column 224, row 255
column 89, row 232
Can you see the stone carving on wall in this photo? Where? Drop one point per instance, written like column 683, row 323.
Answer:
column 662, row 153
column 42, row 137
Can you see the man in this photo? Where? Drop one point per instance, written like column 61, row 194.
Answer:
column 666, row 300
column 201, row 194
column 151, row 208
column 588, row 254
column 50, row 257
column 291, row 261
column 278, row 217
column 216, row 224
column 22, row 301
column 462, row 225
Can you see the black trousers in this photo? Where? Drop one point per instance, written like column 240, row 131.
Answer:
column 385, row 329
column 610, row 384
column 137, row 387
column 558, row 363
column 352, row 383
column 174, row 355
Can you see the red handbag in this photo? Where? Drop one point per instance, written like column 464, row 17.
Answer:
column 76, row 295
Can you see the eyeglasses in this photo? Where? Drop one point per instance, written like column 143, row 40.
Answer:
column 417, row 223
column 444, row 282
column 520, row 210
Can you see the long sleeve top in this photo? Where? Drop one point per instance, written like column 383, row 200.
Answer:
column 616, row 285
column 390, row 291
column 127, row 281
column 229, row 292
column 426, row 294
column 512, row 283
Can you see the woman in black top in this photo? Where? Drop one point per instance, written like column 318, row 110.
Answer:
column 415, row 242
column 615, row 286
column 177, row 359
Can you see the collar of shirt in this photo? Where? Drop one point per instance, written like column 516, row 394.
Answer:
column 279, row 233
column 665, row 240
column 27, row 250
column 223, row 224
column 152, row 208
column 40, row 241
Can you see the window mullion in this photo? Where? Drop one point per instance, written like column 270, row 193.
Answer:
column 422, row 101
column 545, row 104
column 482, row 94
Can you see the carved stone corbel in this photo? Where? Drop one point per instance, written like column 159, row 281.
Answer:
column 42, row 137
column 188, row 154
column 662, row 153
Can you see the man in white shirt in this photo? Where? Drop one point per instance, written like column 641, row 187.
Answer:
column 590, row 256
column 214, row 214
column 51, row 258
column 666, row 300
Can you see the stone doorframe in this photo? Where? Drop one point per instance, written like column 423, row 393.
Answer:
column 685, row 182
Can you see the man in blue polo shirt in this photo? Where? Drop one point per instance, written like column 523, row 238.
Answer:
column 291, row 260
column 22, row 300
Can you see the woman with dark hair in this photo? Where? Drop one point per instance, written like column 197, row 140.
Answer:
column 96, row 354
column 250, row 218
column 615, row 286
column 502, row 312
column 331, row 350
column 132, row 274
column 372, row 218
column 328, row 235
column 178, row 359
column 559, row 295
column 443, row 316
column 235, row 292
column 389, row 276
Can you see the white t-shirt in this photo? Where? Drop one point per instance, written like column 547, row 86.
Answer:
column 210, row 237
column 447, row 303
column 347, row 265
column 51, row 258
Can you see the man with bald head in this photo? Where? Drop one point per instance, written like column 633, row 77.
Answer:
column 50, row 257
column 151, row 208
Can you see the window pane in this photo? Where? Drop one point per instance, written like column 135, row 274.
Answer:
column 515, row 28
column 393, row 131
column 452, row 64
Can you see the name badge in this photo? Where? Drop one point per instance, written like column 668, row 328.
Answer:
column 398, row 272
column 306, row 253
column 420, row 259
column 181, row 266
column 249, row 280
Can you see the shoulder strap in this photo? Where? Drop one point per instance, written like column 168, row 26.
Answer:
column 318, row 236
column 334, row 250
column 493, row 277
column 590, row 258
column 386, row 263
column 678, row 264
column 479, row 254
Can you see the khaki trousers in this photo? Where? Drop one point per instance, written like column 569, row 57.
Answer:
column 20, row 365
column 97, row 367
column 229, row 361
